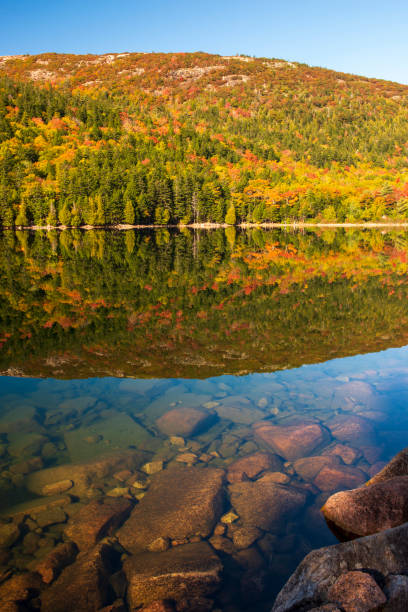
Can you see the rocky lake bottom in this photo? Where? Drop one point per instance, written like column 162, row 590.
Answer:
column 222, row 479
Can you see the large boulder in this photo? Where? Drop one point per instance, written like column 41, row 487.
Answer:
column 264, row 503
column 99, row 518
column 292, row 441
column 190, row 571
column 184, row 422
column 180, row 503
column 369, row 509
column 313, row 583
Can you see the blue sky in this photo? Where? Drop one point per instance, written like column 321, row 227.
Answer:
column 366, row 37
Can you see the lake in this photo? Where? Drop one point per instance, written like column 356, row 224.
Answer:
column 214, row 386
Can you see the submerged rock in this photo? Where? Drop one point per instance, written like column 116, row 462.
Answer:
column 83, row 475
column 309, row 467
column 184, row 572
column 347, row 453
column 292, row 441
column 351, row 428
column 369, row 509
column 264, row 503
column 184, row 421
column 99, row 518
column 82, row 586
column 331, row 478
column 309, row 587
column 253, row 465
column 181, row 502
column 49, row 568
column 18, row 590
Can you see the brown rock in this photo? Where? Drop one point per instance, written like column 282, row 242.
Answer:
column 384, row 553
column 99, row 518
column 82, row 586
column 19, row 589
column 339, row 477
column 49, row 568
column 184, row 421
column 221, row 543
column 398, row 466
column 57, row 488
column 244, row 537
column 181, row 502
column 348, row 454
column 117, row 606
column 369, row 509
column 159, row 606
column 357, row 592
column 186, row 571
column 9, row 533
column 326, row 608
column 252, row 466
column 292, row 441
column 309, row 467
column 351, row 428
column 264, row 503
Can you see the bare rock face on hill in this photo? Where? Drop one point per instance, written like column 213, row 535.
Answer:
column 323, row 577
column 181, row 502
column 191, row 571
column 292, row 441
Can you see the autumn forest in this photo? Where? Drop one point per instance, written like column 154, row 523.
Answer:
column 170, row 139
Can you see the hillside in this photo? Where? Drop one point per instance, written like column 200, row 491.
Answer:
column 179, row 138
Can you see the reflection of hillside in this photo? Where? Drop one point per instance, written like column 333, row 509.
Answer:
column 196, row 305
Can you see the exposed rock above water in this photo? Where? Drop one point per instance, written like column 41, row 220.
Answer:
column 383, row 556
column 188, row 571
column 292, row 441
column 369, row 509
column 181, row 502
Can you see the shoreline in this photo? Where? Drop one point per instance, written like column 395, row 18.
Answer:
column 246, row 225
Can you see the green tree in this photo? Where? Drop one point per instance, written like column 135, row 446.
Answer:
column 129, row 214
column 230, row 217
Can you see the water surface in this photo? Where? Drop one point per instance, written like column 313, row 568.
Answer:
column 102, row 333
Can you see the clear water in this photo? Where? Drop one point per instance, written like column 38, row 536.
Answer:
column 102, row 334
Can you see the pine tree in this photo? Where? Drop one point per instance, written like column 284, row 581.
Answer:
column 129, row 214
column 100, row 210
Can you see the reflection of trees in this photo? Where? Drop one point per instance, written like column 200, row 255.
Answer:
column 105, row 298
